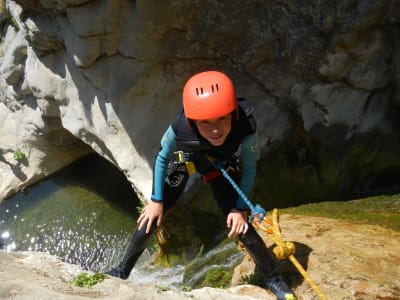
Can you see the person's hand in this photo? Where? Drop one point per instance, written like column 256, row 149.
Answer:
column 150, row 213
column 237, row 222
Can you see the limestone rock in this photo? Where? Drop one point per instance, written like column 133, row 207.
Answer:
column 107, row 76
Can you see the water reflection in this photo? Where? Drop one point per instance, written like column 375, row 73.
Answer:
column 83, row 214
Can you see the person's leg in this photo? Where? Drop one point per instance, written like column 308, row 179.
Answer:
column 264, row 262
column 136, row 246
column 226, row 198
column 174, row 186
column 258, row 251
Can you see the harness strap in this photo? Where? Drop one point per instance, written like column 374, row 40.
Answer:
column 210, row 176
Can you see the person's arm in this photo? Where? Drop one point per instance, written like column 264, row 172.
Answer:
column 164, row 156
column 250, row 153
column 153, row 211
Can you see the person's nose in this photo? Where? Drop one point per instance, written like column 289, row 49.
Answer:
column 215, row 129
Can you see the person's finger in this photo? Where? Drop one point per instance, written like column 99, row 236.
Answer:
column 149, row 223
column 142, row 221
column 228, row 222
column 159, row 220
column 231, row 233
column 139, row 219
column 246, row 228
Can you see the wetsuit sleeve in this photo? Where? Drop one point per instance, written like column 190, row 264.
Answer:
column 250, row 153
column 164, row 156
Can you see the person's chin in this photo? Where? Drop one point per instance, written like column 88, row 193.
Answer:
column 216, row 142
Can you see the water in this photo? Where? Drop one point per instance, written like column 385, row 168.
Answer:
column 84, row 214
column 225, row 256
column 145, row 273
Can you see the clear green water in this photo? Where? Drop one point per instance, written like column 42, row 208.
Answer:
column 83, row 214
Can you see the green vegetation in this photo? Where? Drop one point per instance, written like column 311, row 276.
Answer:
column 218, row 272
column 218, row 277
column 254, row 279
column 15, row 23
column 376, row 210
column 139, row 208
column 185, row 288
column 18, row 155
column 87, row 281
column 161, row 289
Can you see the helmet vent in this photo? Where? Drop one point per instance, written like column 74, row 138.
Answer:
column 199, row 91
column 215, row 89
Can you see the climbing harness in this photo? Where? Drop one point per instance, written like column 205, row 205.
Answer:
column 183, row 157
column 283, row 249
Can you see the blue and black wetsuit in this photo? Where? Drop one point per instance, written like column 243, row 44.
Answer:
column 170, row 177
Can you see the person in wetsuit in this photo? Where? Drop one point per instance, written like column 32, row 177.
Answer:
column 208, row 133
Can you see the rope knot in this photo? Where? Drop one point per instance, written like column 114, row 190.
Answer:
column 284, row 250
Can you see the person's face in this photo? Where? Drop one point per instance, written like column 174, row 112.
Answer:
column 215, row 130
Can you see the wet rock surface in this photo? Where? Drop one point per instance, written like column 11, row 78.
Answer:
column 345, row 260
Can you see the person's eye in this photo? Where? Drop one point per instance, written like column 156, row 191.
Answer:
column 224, row 118
column 202, row 123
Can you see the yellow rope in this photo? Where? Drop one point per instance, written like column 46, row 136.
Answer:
column 283, row 249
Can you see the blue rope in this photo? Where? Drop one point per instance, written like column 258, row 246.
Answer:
column 257, row 210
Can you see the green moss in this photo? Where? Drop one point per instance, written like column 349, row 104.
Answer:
column 161, row 289
column 376, row 210
column 18, row 155
column 215, row 268
column 218, row 277
column 189, row 235
column 302, row 170
column 185, row 288
column 15, row 23
column 87, row 281
column 255, row 279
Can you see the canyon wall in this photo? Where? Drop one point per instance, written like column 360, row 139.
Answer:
column 105, row 77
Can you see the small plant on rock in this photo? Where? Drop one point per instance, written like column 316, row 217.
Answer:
column 18, row 155
column 87, row 281
column 161, row 289
column 253, row 279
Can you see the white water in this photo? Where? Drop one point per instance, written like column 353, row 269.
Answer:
column 230, row 262
column 145, row 273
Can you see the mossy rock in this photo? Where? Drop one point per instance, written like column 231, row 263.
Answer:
column 186, row 233
column 215, row 268
column 218, row 277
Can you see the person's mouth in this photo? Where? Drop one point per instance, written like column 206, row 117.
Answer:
column 216, row 137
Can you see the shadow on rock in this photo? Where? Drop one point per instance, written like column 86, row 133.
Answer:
column 289, row 271
column 17, row 169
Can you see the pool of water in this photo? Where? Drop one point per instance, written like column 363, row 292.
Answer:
column 83, row 214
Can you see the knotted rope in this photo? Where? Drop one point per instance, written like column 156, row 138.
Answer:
column 284, row 249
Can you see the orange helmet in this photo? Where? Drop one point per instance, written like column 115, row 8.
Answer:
column 208, row 95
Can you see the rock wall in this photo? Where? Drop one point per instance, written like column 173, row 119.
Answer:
column 79, row 76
